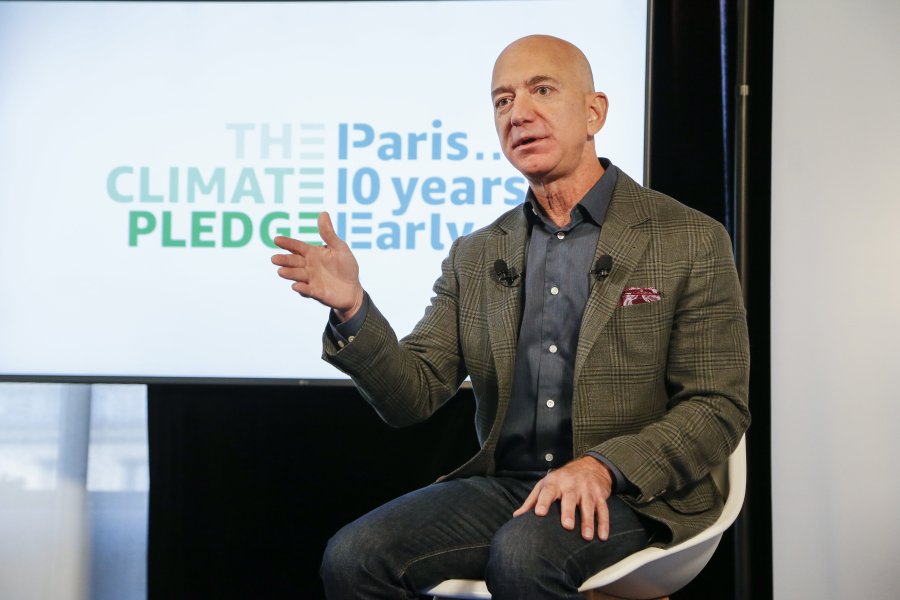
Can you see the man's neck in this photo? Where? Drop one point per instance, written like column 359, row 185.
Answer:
column 557, row 198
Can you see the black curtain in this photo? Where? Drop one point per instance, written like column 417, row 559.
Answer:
column 248, row 482
column 692, row 158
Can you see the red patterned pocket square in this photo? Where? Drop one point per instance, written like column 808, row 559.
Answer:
column 638, row 295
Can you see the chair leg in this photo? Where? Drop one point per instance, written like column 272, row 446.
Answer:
column 598, row 595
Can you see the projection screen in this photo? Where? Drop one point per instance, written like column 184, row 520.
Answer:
column 150, row 151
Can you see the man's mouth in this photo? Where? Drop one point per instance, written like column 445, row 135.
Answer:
column 525, row 141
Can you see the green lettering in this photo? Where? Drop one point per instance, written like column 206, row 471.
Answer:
column 247, row 185
column 140, row 222
column 265, row 228
column 198, row 228
column 167, row 240
column 228, row 240
column 146, row 196
column 111, row 188
column 278, row 173
column 215, row 184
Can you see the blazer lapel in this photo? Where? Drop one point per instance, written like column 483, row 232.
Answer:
column 504, row 303
column 622, row 238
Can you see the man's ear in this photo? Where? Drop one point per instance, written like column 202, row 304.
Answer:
column 598, row 106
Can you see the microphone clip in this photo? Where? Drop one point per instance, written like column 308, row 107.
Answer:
column 506, row 275
column 603, row 267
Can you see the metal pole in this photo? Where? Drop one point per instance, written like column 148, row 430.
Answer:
column 648, row 93
column 740, row 140
column 742, row 576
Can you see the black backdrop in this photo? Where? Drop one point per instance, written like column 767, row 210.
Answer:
column 248, row 482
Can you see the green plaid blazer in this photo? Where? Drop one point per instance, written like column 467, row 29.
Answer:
column 660, row 387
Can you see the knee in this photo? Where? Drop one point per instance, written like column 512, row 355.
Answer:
column 516, row 558
column 349, row 555
column 340, row 556
column 338, row 559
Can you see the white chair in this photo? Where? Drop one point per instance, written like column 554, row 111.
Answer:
column 652, row 572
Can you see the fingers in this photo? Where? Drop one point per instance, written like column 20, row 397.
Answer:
column 289, row 260
column 530, row 501
column 298, row 248
column 540, row 499
column 302, row 288
column 326, row 230
column 293, row 267
column 567, row 511
column 577, row 487
column 291, row 245
column 297, row 275
column 547, row 496
column 602, row 520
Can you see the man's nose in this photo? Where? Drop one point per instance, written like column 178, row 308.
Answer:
column 522, row 110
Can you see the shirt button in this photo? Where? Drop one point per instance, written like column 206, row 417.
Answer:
column 548, row 457
column 551, row 403
column 341, row 344
column 351, row 338
column 560, row 235
column 554, row 290
column 552, row 348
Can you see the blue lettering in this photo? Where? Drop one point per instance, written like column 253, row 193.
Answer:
column 411, row 229
column 390, row 240
column 465, row 193
column 405, row 196
column 436, row 231
column 517, row 193
column 368, row 136
column 393, row 150
column 487, row 188
column 454, row 141
column 431, row 187
column 374, row 185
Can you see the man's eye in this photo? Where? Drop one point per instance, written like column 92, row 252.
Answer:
column 543, row 90
column 501, row 102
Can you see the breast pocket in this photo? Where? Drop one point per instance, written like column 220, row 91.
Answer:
column 639, row 334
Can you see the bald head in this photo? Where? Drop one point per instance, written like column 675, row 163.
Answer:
column 552, row 50
column 546, row 113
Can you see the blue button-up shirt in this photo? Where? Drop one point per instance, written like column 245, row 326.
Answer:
column 537, row 433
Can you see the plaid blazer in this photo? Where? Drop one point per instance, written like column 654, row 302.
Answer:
column 660, row 388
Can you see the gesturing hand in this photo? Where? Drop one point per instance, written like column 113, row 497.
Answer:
column 585, row 483
column 329, row 273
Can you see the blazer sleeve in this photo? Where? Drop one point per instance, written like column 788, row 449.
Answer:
column 707, row 378
column 407, row 381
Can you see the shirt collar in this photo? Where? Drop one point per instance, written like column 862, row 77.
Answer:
column 592, row 206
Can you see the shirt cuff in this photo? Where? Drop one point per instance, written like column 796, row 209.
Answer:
column 621, row 485
column 343, row 333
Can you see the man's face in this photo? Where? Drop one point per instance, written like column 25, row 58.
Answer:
column 544, row 110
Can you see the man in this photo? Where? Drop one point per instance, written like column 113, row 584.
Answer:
column 605, row 390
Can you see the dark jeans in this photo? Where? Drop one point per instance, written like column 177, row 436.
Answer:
column 463, row 529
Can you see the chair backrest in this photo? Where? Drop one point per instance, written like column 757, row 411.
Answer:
column 657, row 572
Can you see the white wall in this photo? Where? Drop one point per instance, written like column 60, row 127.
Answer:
column 836, row 299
